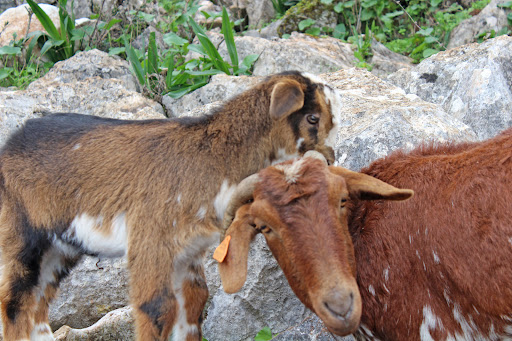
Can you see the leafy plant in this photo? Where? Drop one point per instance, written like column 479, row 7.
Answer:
column 419, row 28
column 264, row 335
column 181, row 76
column 363, row 49
column 16, row 71
column 281, row 6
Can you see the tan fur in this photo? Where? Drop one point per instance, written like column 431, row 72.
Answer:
column 159, row 179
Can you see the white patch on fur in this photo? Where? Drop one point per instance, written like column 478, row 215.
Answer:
column 201, row 213
column 386, row 274
column 51, row 263
column 291, row 172
column 41, row 332
column 299, row 143
column 364, row 333
column 84, row 229
column 430, row 322
column 178, row 199
column 76, row 146
column 282, row 156
column 221, row 201
column 195, row 250
column 436, row 257
column 192, row 255
column 182, row 328
column 333, row 98
column 470, row 330
column 371, row 289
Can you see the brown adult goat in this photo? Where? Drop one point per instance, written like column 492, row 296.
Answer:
column 156, row 190
column 436, row 267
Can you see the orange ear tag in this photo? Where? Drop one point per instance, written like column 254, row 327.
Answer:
column 222, row 250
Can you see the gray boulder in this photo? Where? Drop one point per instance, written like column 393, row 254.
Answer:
column 93, row 289
column 490, row 18
column 89, row 83
column 472, row 83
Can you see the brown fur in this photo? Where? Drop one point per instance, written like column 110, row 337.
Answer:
column 433, row 267
column 297, row 207
column 161, row 176
column 461, row 212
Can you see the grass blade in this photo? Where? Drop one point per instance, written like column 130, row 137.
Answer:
column 45, row 20
column 137, row 67
column 227, row 31
column 152, row 54
column 170, row 70
column 209, row 47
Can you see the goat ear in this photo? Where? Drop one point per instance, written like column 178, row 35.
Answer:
column 233, row 270
column 367, row 187
column 287, row 97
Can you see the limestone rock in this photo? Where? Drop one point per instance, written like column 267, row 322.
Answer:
column 89, row 83
column 490, row 18
column 378, row 118
column 258, row 12
column 93, row 289
column 473, row 83
column 116, row 325
column 15, row 21
column 386, row 61
column 220, row 88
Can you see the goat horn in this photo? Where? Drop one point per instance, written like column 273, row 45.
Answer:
column 316, row 155
column 242, row 194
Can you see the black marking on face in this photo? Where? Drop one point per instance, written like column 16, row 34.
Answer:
column 157, row 308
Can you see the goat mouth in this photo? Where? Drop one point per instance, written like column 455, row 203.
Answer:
column 342, row 315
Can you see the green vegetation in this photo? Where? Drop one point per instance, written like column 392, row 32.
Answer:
column 263, row 335
column 416, row 28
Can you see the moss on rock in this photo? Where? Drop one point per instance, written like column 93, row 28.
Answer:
column 323, row 15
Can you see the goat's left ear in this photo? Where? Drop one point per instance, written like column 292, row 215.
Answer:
column 233, row 269
column 367, row 187
column 287, row 97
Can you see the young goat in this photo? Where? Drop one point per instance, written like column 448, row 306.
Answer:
column 436, row 267
column 156, row 190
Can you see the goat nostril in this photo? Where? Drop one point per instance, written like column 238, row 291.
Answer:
column 339, row 306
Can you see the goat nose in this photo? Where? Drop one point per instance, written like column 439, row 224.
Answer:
column 339, row 304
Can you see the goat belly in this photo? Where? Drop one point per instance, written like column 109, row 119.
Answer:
column 89, row 235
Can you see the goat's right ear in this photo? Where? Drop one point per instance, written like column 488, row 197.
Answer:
column 287, row 97
column 367, row 187
column 233, row 269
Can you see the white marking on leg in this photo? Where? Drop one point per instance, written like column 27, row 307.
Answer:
column 41, row 332
column 51, row 263
column 221, row 201
column 85, row 230
column 191, row 256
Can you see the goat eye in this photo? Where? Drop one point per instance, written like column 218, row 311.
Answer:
column 312, row 119
column 265, row 229
column 343, row 202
